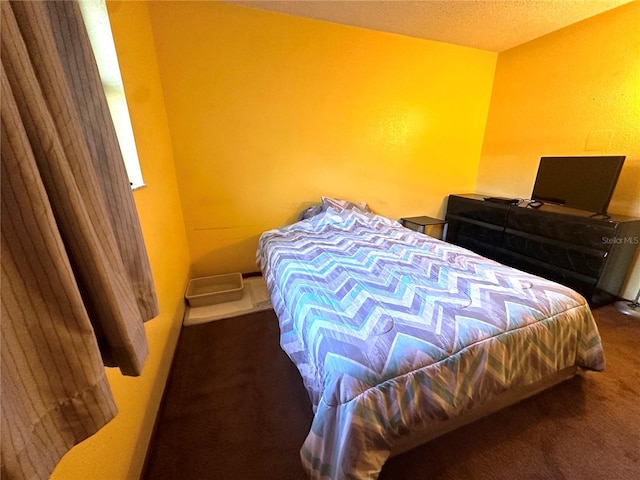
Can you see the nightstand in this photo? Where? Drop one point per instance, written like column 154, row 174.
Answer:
column 419, row 224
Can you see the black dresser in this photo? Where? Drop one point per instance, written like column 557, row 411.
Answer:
column 590, row 254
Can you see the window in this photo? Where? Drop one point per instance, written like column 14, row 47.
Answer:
column 96, row 18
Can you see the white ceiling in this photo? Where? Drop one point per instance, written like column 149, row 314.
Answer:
column 494, row 25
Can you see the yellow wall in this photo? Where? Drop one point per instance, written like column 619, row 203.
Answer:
column 268, row 112
column 572, row 92
column 117, row 451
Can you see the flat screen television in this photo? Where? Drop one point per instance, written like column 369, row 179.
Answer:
column 585, row 183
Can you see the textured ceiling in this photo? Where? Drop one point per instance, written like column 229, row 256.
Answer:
column 494, row 25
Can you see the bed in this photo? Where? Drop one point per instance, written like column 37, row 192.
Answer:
column 400, row 337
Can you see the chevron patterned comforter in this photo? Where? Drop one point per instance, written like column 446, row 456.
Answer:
column 390, row 328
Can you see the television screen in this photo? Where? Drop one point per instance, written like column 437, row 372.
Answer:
column 586, row 183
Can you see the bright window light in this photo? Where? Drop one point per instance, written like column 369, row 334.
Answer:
column 96, row 18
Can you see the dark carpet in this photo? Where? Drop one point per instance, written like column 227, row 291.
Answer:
column 235, row 408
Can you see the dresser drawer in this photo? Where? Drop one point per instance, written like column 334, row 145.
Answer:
column 581, row 260
column 479, row 232
column 585, row 285
column 572, row 231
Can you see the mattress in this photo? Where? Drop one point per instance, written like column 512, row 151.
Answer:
column 393, row 331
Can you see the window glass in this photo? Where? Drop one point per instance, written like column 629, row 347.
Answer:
column 96, row 18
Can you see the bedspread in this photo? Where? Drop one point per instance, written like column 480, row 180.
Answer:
column 390, row 328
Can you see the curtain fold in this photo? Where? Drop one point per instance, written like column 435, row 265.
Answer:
column 76, row 283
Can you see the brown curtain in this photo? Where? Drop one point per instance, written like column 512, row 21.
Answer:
column 76, row 284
